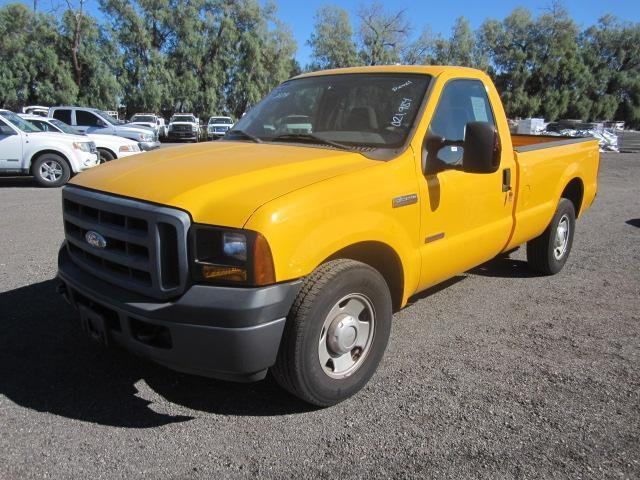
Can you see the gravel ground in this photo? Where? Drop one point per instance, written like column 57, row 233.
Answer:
column 496, row 374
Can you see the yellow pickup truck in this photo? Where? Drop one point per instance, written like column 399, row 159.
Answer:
column 288, row 245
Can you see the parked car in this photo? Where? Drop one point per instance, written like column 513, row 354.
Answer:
column 184, row 126
column 92, row 120
column 289, row 251
column 217, row 127
column 50, row 157
column 150, row 120
column 109, row 147
column 36, row 110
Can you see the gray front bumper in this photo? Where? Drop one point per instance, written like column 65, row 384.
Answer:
column 220, row 332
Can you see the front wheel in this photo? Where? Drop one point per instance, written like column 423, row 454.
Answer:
column 105, row 155
column 51, row 170
column 336, row 333
column 549, row 252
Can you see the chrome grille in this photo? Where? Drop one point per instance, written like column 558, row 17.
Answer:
column 146, row 245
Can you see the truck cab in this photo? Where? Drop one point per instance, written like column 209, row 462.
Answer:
column 288, row 245
column 92, row 120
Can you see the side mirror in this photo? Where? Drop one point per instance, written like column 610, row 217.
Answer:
column 102, row 124
column 482, row 148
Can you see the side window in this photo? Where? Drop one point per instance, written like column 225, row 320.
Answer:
column 63, row 115
column 461, row 102
column 5, row 129
column 44, row 126
column 88, row 119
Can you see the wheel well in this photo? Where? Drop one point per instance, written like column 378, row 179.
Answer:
column 108, row 150
column 573, row 192
column 43, row 152
column 384, row 259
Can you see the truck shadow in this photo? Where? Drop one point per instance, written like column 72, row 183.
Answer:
column 18, row 182
column 505, row 267
column 634, row 222
column 47, row 365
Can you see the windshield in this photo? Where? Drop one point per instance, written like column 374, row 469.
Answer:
column 20, row 122
column 220, row 120
column 183, row 118
column 64, row 127
column 372, row 110
column 107, row 117
column 143, row 118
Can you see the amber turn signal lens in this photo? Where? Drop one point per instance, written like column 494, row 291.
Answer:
column 219, row 272
column 263, row 270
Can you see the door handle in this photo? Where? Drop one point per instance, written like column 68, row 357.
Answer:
column 506, row 180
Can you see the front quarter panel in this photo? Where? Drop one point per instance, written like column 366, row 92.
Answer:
column 309, row 225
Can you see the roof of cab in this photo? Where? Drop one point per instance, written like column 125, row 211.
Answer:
column 434, row 70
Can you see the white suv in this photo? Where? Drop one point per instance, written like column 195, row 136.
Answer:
column 109, row 147
column 50, row 157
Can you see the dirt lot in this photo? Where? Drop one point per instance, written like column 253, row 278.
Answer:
column 496, row 374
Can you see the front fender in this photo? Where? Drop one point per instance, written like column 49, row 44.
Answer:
column 307, row 226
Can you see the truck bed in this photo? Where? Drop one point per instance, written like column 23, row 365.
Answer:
column 545, row 166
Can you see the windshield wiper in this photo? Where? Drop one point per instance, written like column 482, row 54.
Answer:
column 309, row 137
column 244, row 134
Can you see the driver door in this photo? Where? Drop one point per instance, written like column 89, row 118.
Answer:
column 10, row 148
column 466, row 217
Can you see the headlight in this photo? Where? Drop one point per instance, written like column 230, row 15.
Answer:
column 129, row 148
column 145, row 137
column 84, row 146
column 194, row 128
column 228, row 256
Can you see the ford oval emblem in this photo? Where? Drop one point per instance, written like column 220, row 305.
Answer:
column 95, row 239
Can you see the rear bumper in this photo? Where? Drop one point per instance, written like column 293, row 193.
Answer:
column 219, row 332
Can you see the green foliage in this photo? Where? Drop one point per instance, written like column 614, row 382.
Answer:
column 33, row 67
column 332, row 44
column 222, row 56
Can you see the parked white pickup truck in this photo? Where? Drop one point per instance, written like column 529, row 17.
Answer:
column 50, row 157
column 218, row 127
column 150, row 120
column 109, row 147
column 184, row 126
column 92, row 120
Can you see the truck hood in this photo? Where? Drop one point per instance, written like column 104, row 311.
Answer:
column 143, row 124
column 133, row 128
column 220, row 183
column 183, row 123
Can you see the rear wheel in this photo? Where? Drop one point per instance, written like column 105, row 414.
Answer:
column 105, row 155
column 336, row 333
column 51, row 170
column 549, row 252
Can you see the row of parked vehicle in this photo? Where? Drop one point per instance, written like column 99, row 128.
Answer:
column 181, row 126
column 52, row 144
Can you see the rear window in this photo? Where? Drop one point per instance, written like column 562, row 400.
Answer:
column 63, row 115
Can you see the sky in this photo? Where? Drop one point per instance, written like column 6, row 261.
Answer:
column 439, row 15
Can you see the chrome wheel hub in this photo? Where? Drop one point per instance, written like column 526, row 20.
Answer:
column 51, row 170
column 346, row 335
column 561, row 240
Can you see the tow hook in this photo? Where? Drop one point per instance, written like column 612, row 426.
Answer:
column 61, row 288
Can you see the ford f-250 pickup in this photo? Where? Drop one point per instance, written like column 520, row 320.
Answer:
column 289, row 249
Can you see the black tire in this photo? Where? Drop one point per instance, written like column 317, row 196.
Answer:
column 105, row 155
column 39, row 170
column 298, row 368
column 542, row 255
